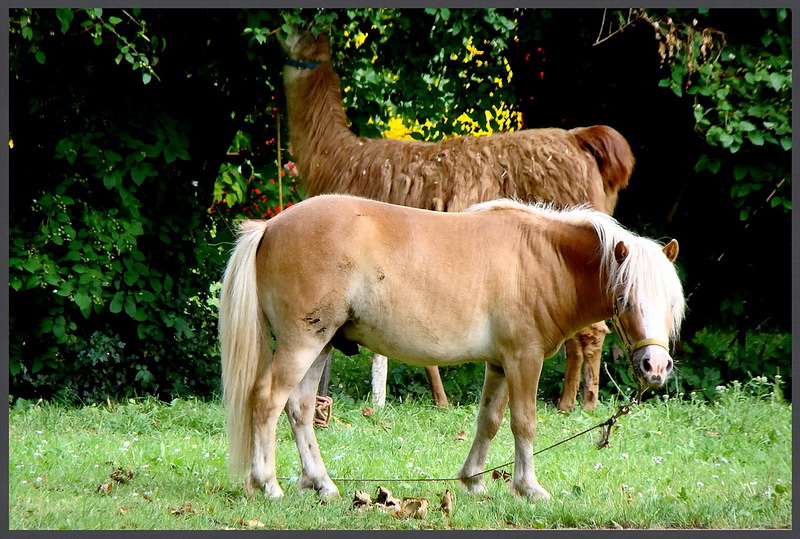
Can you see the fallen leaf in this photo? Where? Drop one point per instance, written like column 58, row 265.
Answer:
column 501, row 474
column 385, row 500
column 185, row 509
column 712, row 432
column 368, row 411
column 123, row 475
column 447, row 502
column 121, row 511
column 105, row 488
column 250, row 523
column 362, row 499
column 414, row 507
column 461, row 436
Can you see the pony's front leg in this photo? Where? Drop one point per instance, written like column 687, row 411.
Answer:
column 522, row 376
column 300, row 410
column 270, row 395
column 494, row 398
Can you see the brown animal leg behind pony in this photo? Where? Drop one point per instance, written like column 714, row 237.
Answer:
column 587, row 165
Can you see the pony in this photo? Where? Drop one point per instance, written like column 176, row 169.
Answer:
column 587, row 165
column 504, row 283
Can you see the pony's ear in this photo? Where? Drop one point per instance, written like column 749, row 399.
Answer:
column 671, row 250
column 621, row 252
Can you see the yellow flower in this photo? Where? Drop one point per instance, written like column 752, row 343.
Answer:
column 360, row 39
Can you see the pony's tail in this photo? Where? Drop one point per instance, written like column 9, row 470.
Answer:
column 244, row 342
column 612, row 152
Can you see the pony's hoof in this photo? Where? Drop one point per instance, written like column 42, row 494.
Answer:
column 273, row 492
column 325, row 488
column 330, row 492
column 533, row 494
column 271, row 489
column 473, row 486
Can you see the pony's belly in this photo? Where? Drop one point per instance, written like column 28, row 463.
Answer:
column 424, row 348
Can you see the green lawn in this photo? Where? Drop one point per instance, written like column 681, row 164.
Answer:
column 150, row 465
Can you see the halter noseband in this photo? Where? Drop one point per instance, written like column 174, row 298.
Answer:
column 300, row 64
column 631, row 348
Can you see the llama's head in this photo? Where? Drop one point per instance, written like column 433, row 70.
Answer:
column 301, row 45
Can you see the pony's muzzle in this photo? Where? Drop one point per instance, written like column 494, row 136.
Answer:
column 653, row 365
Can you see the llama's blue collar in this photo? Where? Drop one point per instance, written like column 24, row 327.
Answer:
column 300, row 64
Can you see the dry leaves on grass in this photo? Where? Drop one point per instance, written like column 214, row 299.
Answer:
column 461, row 436
column 185, row 509
column 238, row 524
column 501, row 475
column 123, row 475
column 405, row 508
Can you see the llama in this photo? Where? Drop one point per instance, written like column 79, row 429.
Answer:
column 587, row 165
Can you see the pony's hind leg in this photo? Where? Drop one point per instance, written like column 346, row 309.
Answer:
column 270, row 395
column 494, row 398
column 300, row 410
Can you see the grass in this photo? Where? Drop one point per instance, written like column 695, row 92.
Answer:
column 671, row 464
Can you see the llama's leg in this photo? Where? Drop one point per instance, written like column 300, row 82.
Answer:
column 494, row 398
column 522, row 376
column 592, row 343
column 572, row 375
column 380, row 369
column 270, row 394
column 300, row 410
column 435, row 379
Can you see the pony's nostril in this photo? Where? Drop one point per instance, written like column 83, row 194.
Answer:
column 646, row 364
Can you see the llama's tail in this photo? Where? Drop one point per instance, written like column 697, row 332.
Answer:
column 244, row 341
column 614, row 157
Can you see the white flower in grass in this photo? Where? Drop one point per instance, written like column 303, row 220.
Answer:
column 623, row 456
column 700, row 484
column 658, row 460
column 598, row 466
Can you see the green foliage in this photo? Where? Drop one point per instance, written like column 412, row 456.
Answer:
column 110, row 288
column 98, row 261
column 395, row 62
column 741, row 95
column 714, row 357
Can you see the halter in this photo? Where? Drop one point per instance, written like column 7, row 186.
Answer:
column 631, row 348
column 300, row 64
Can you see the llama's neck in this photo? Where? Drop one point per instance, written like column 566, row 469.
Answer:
column 317, row 121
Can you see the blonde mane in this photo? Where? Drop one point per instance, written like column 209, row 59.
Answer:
column 646, row 275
